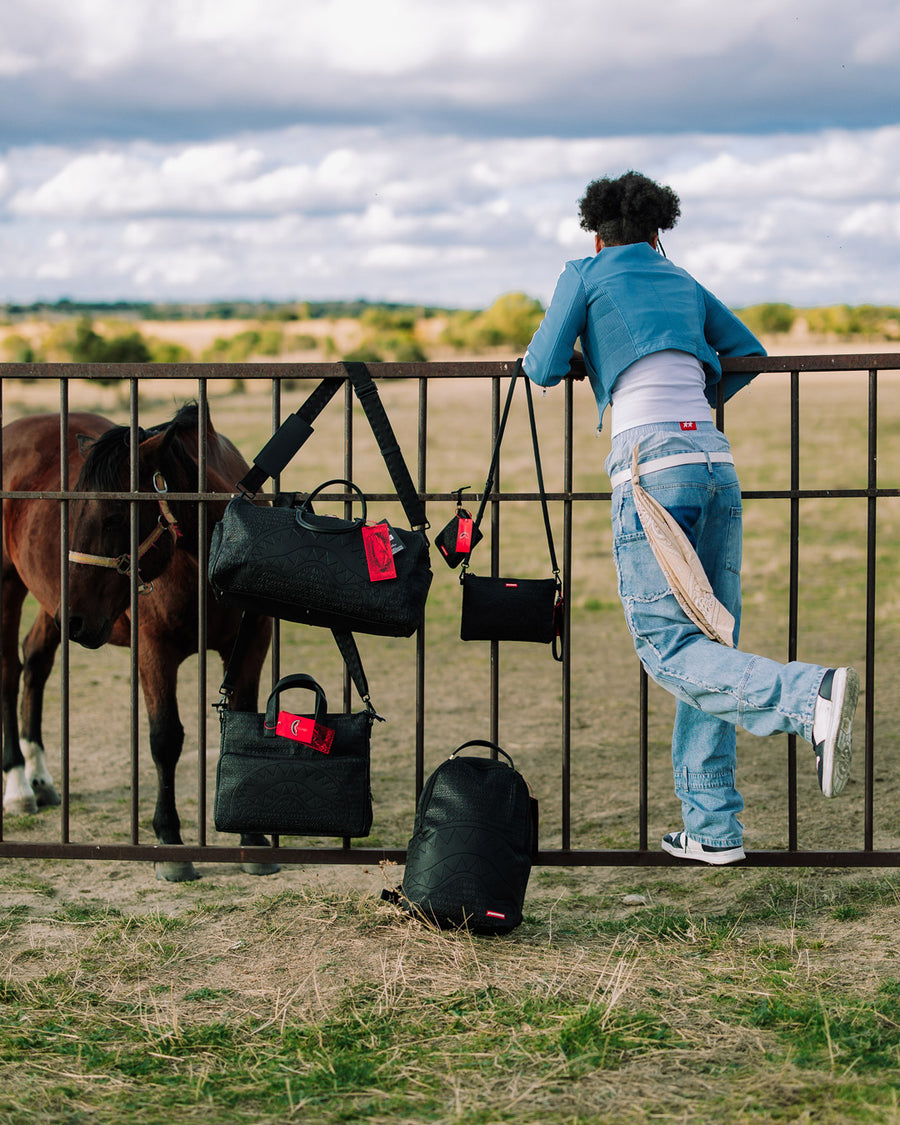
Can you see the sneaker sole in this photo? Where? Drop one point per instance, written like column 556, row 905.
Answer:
column 717, row 859
column 836, row 764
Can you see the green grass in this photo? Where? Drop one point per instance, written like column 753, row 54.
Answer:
column 331, row 1006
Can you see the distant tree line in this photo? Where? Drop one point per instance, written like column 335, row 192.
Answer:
column 875, row 322
column 388, row 331
column 214, row 310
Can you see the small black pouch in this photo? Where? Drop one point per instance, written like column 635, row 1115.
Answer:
column 459, row 536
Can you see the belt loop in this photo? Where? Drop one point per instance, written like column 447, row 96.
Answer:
column 708, row 462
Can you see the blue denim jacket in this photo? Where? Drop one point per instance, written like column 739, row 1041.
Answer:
column 627, row 302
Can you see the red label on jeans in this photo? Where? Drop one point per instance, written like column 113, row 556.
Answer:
column 689, row 425
column 379, row 556
column 464, row 535
column 301, row 728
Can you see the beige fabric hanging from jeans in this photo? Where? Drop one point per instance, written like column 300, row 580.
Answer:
column 680, row 564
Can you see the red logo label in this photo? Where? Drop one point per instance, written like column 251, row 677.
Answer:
column 494, row 914
column 379, row 556
column 689, row 425
column 301, row 728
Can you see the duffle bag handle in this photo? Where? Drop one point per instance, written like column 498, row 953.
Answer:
column 331, row 527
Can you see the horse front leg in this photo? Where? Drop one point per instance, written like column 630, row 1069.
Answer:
column 39, row 651
column 18, row 796
column 159, row 678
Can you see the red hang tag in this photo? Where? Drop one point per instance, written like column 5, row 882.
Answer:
column 301, row 728
column 379, row 556
column 464, row 535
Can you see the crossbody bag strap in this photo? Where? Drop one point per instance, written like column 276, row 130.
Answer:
column 540, row 479
column 495, row 455
column 489, row 483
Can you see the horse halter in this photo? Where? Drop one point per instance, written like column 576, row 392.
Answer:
column 122, row 564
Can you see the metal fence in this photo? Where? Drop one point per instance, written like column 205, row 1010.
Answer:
column 869, row 370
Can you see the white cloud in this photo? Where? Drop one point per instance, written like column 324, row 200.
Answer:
column 415, row 150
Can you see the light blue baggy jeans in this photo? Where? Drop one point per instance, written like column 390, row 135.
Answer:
column 717, row 688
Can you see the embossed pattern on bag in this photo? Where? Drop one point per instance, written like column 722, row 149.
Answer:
column 263, row 559
column 267, row 783
column 469, row 858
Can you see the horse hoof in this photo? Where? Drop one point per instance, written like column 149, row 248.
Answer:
column 20, row 806
column 171, row 872
column 45, row 794
column 261, row 868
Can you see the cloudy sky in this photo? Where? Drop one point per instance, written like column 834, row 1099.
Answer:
column 434, row 152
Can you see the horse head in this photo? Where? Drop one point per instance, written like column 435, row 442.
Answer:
column 101, row 554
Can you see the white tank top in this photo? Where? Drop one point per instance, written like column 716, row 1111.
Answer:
column 666, row 386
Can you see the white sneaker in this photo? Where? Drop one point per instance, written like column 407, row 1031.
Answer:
column 680, row 844
column 833, row 727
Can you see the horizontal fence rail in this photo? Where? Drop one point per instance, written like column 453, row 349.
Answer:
column 567, row 500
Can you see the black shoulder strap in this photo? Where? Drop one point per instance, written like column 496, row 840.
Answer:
column 295, row 430
column 346, row 644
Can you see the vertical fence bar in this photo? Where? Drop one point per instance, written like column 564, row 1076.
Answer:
column 421, row 485
column 348, row 503
column 3, row 625
column 643, row 755
column 495, row 561
column 202, row 609
column 64, row 724
column 793, row 595
column 566, row 779
column 133, row 507
column 871, row 542
column 348, row 513
column 275, row 486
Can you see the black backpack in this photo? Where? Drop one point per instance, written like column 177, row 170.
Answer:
column 474, row 838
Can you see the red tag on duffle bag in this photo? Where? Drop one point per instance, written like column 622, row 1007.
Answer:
column 379, row 554
column 301, row 728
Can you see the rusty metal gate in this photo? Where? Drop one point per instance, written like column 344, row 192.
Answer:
column 872, row 494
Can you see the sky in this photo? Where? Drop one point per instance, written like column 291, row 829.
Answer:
column 434, row 152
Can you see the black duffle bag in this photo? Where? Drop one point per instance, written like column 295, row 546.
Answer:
column 345, row 574
column 286, row 561
column 294, row 774
column 474, row 839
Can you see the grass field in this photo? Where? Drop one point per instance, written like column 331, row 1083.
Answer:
column 627, row 995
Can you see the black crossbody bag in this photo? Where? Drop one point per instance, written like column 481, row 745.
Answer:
column 514, row 609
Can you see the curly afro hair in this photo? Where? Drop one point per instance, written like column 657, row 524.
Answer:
column 631, row 208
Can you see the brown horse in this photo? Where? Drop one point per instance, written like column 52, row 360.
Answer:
column 99, row 587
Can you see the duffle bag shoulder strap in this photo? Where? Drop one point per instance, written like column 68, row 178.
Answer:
column 297, row 428
column 346, row 643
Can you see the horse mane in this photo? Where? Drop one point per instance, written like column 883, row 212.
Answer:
column 102, row 468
